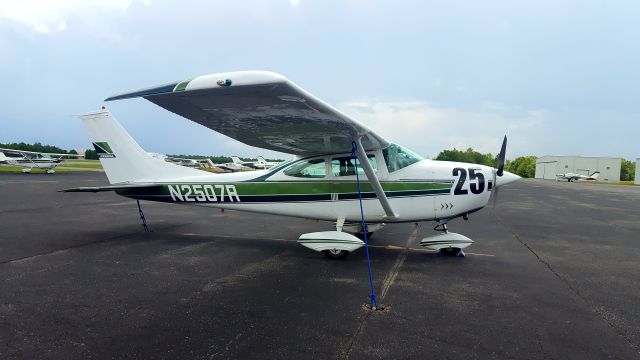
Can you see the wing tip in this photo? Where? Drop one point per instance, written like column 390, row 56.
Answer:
column 210, row 81
column 155, row 90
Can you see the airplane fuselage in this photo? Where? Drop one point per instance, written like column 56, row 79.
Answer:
column 425, row 190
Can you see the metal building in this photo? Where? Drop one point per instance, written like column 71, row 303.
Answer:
column 637, row 178
column 548, row 167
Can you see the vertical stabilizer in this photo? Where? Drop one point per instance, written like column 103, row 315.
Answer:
column 123, row 160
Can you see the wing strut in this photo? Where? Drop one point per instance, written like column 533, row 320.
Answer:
column 373, row 180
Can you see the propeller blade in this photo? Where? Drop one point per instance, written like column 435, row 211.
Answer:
column 494, row 188
column 501, row 156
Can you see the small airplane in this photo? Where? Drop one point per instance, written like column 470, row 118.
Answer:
column 234, row 166
column 29, row 160
column 338, row 163
column 192, row 163
column 575, row 177
column 260, row 163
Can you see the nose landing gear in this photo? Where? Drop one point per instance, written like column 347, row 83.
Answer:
column 447, row 243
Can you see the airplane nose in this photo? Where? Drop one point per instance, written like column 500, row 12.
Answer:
column 506, row 178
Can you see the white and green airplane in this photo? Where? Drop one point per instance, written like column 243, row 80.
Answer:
column 266, row 110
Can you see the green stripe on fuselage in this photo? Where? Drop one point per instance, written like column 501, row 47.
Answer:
column 280, row 191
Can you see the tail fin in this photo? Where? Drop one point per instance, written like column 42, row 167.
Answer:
column 3, row 157
column 261, row 160
column 595, row 175
column 236, row 160
column 122, row 158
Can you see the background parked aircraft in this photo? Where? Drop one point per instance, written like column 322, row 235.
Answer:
column 575, row 177
column 29, row 160
column 259, row 164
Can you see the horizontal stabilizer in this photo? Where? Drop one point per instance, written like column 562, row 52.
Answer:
column 95, row 189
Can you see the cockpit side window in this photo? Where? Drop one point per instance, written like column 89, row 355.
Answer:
column 398, row 157
column 344, row 166
column 314, row 168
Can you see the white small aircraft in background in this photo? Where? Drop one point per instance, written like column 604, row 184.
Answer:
column 29, row 160
column 575, row 177
column 192, row 163
column 266, row 110
column 234, row 166
column 259, row 164
column 263, row 164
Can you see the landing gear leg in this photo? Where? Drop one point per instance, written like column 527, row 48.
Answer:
column 360, row 234
column 441, row 226
column 144, row 221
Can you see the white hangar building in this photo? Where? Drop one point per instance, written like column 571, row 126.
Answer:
column 637, row 178
column 547, row 167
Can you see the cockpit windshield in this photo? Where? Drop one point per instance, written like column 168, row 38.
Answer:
column 398, row 157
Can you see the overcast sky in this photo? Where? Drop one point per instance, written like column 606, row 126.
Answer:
column 558, row 77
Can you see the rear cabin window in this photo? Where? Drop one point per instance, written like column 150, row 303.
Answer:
column 307, row 169
column 345, row 166
column 398, row 157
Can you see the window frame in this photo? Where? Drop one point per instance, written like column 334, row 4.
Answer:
column 370, row 155
column 307, row 161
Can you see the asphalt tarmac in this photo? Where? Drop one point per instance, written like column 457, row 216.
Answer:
column 553, row 274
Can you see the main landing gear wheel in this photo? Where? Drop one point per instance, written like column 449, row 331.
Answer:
column 335, row 253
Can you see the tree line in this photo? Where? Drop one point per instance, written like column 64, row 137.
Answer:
column 524, row 166
column 37, row 147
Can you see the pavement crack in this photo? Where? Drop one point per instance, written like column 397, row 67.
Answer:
column 60, row 206
column 107, row 240
column 354, row 339
column 386, row 285
column 393, row 273
column 595, row 309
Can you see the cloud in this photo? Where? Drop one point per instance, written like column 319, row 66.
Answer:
column 294, row 2
column 429, row 129
column 50, row 16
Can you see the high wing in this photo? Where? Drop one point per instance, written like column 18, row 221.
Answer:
column 24, row 152
column 262, row 109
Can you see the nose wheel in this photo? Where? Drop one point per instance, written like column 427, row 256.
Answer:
column 335, row 253
column 451, row 249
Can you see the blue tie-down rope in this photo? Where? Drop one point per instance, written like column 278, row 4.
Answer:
column 374, row 302
column 144, row 221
